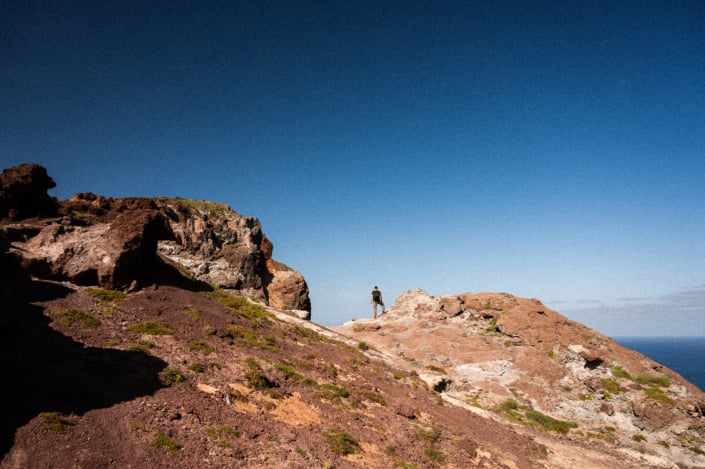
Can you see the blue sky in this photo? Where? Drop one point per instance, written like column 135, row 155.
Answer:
column 549, row 149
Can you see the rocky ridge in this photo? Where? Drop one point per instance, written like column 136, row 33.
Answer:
column 161, row 333
column 505, row 357
column 113, row 243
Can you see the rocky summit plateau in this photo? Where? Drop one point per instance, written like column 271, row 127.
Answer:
column 160, row 332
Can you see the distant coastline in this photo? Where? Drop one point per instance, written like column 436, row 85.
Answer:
column 681, row 354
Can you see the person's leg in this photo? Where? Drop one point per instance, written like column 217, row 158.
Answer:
column 374, row 309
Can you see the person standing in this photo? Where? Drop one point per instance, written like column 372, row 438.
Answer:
column 376, row 299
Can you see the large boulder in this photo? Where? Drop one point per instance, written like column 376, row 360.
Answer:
column 23, row 192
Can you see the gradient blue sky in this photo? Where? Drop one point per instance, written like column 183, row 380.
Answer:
column 549, row 149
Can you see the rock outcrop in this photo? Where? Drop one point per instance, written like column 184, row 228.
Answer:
column 23, row 192
column 116, row 243
column 504, row 356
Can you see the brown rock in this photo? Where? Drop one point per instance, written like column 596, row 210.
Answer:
column 23, row 192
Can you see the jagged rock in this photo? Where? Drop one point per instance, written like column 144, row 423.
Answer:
column 23, row 192
column 113, row 242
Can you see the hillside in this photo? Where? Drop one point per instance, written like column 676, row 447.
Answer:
column 162, row 333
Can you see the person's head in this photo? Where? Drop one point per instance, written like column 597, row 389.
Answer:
column 376, row 287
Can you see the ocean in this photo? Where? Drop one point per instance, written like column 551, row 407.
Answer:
column 685, row 355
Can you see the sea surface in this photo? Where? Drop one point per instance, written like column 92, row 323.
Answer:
column 685, row 355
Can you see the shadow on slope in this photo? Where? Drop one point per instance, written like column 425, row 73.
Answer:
column 46, row 371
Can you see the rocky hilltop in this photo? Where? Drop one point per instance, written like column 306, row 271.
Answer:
column 115, row 243
column 514, row 359
column 161, row 333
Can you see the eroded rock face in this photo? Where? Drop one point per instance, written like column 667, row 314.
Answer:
column 94, row 240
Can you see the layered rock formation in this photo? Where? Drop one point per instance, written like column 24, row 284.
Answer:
column 503, row 356
column 113, row 243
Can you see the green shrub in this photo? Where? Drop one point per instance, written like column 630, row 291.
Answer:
column 657, row 394
column 256, row 379
column 106, row 295
column 54, row 421
column 362, row 346
column 77, row 318
column 655, row 380
column 151, row 328
column 619, row 372
column 373, row 397
column 221, row 435
column 240, row 306
column 197, row 367
column 611, row 386
column 161, row 440
column 402, row 465
column 173, row 376
column 342, row 443
column 143, row 346
column 434, row 455
column 333, row 393
column 201, row 346
column 638, row 437
column 549, row 423
column 436, row 369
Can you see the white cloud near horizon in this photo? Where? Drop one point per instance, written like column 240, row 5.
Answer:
column 674, row 314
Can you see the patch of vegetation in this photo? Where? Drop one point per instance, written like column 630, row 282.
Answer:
column 638, row 437
column 664, row 444
column 657, row 394
column 137, row 427
column 163, row 441
column 398, row 375
column 429, row 437
column 549, row 423
column 197, row 367
column 143, row 346
column 173, row 376
column 289, row 372
column 256, row 379
column 192, row 314
column 473, row 400
column 619, row 372
column 77, row 318
column 492, row 327
column 247, row 336
column 373, row 396
column 653, row 380
column 221, row 435
column 302, row 453
column 201, row 346
column 54, row 421
column 342, row 443
column 332, row 392
column 529, row 416
column 106, row 295
column 240, row 306
column 330, row 371
column 307, row 333
column 586, row 397
column 611, row 386
column 151, row 328
column 363, row 346
column 697, row 450
column 403, row 465
column 436, row 369
column 434, row 455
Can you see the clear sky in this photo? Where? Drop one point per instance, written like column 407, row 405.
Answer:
column 549, row 149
